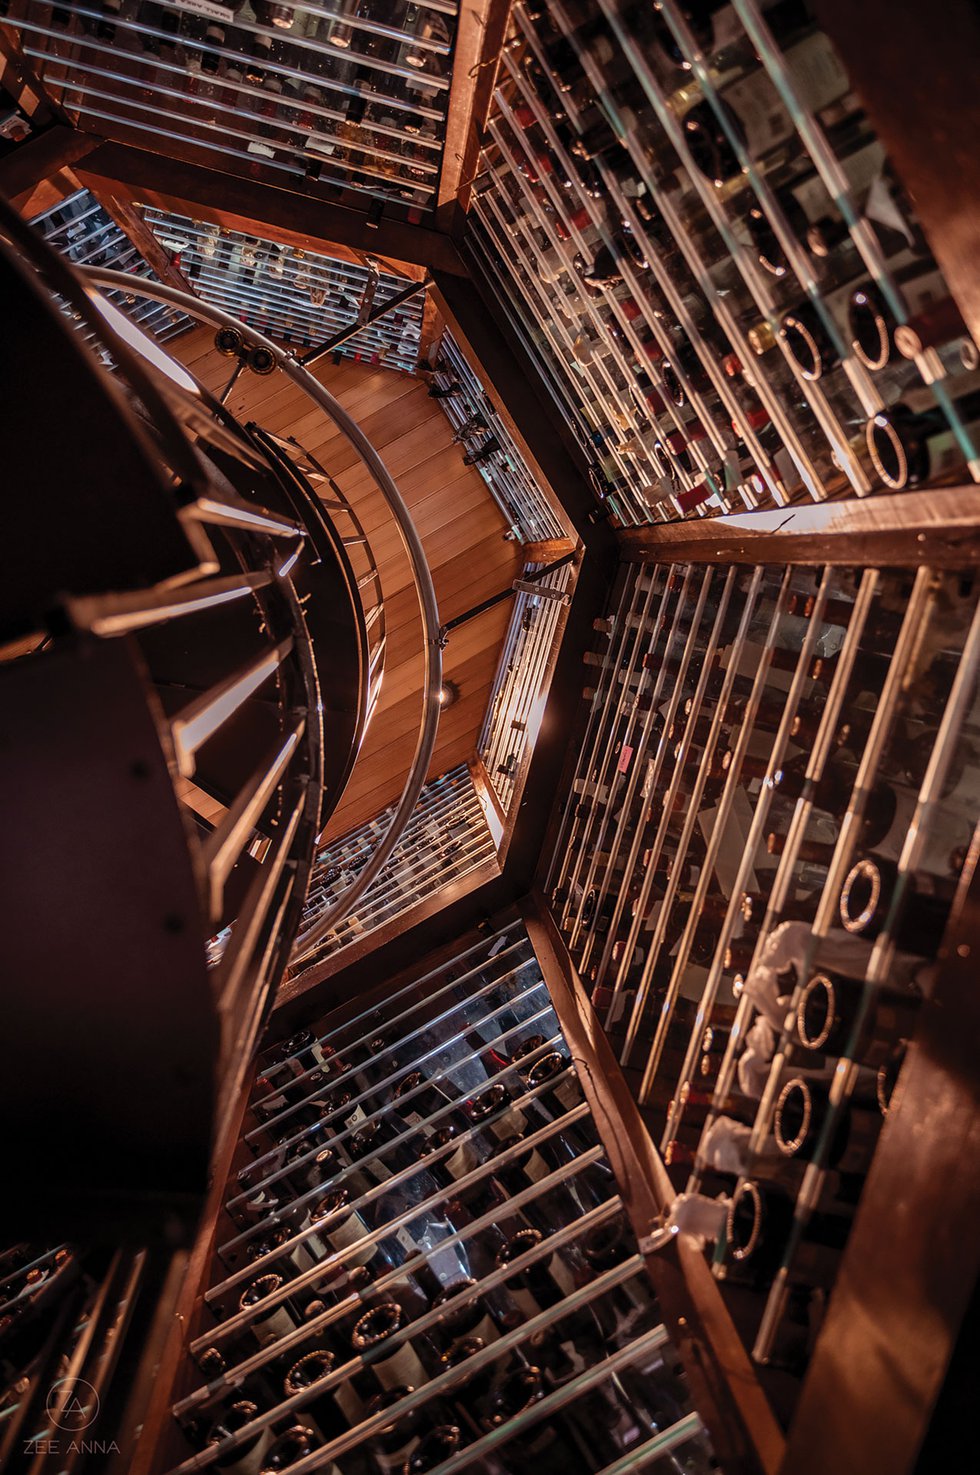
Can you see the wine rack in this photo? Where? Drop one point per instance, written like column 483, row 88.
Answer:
column 481, row 431
column 66, row 1316
column 446, row 840
column 688, row 219
column 347, row 101
column 299, row 297
column 83, row 231
column 520, row 687
column 775, row 801
column 424, row 1262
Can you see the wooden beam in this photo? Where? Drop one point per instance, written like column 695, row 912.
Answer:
column 432, row 329
column 35, row 160
column 47, row 193
column 917, row 79
column 912, row 1260
column 936, row 526
column 131, row 222
column 743, row 1428
column 291, row 216
column 481, row 28
column 548, row 549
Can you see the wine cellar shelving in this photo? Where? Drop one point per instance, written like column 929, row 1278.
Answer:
column 348, row 101
column 81, row 229
column 295, row 296
column 694, row 227
column 446, row 840
column 424, row 1262
column 773, row 806
column 486, row 441
column 520, row 687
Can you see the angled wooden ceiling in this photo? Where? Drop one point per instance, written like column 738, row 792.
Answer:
column 462, row 532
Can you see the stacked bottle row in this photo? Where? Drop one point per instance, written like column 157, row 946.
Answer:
column 64, row 1316
column 488, row 445
column 424, row 1262
column 296, row 296
column 82, row 230
column 775, row 796
column 689, row 216
column 446, row 838
column 513, row 719
column 353, row 95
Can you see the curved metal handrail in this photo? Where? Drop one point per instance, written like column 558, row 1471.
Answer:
column 412, row 544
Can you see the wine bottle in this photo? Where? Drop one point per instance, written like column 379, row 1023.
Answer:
column 433, row 1449
column 270, row 1322
column 390, row 1447
column 760, row 1217
column 246, row 1458
column 827, row 1010
column 866, row 897
column 323, row 1412
column 908, row 446
column 386, row 1368
column 545, row 1446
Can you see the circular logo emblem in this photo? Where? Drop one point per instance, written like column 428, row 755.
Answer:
column 72, row 1404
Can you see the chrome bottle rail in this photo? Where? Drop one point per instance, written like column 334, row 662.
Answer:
column 774, row 804
column 695, row 226
column 606, row 1386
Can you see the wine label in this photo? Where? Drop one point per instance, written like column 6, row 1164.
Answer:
column 211, row 8
column 462, row 1161
column 525, row 1303
column 818, row 78
column 349, row 1403
column 861, row 169
column 561, row 1274
column 260, row 148
column 400, row 1368
column 568, row 1093
column 536, row 1167
column 510, row 1123
column 270, row 1328
column 405, row 1240
column 348, row 1233
column 356, row 1119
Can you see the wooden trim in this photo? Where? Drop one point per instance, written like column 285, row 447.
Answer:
column 912, row 1261
column 939, row 526
column 513, row 388
column 192, row 188
column 159, row 1445
column 915, row 71
column 483, row 786
column 481, row 28
column 548, row 549
column 726, row 1393
column 35, row 160
column 22, row 82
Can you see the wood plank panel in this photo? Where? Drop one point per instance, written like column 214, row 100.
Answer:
column 462, row 532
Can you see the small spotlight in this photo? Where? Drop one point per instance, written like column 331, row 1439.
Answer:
column 448, row 693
